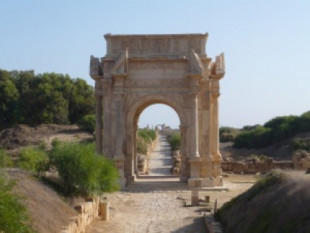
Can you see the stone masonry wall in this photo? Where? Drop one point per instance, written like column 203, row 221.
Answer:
column 88, row 211
column 255, row 167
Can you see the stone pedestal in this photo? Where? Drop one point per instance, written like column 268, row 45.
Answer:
column 195, row 197
column 207, row 182
column 194, row 181
column 119, row 163
column 104, row 210
column 218, row 181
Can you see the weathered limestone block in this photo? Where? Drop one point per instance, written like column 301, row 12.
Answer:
column 239, row 167
column 301, row 160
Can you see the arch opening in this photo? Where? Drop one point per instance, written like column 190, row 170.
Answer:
column 158, row 127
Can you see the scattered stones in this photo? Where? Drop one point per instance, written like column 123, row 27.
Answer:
column 176, row 168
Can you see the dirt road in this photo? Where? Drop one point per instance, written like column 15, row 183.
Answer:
column 149, row 211
column 157, row 205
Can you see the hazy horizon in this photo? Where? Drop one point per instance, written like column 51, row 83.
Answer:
column 266, row 45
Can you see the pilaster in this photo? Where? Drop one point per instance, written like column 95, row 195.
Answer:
column 118, row 94
column 194, row 159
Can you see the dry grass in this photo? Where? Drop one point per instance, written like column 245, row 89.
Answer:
column 48, row 211
column 278, row 203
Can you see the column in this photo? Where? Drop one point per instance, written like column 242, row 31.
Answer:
column 119, row 126
column 215, row 150
column 118, row 99
column 184, row 173
column 211, row 129
column 98, row 130
column 195, row 140
column 119, row 154
column 195, row 160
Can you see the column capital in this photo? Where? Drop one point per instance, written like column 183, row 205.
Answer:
column 216, row 94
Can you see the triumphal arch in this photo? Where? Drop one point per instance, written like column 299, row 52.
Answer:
column 140, row 70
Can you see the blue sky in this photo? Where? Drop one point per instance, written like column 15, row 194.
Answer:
column 266, row 45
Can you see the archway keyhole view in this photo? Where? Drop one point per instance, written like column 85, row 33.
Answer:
column 158, row 143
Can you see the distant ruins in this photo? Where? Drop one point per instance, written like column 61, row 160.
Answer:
column 141, row 70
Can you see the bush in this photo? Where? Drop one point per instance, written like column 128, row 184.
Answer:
column 87, row 123
column 141, row 146
column 258, row 137
column 300, row 144
column 145, row 138
column 5, row 160
column 283, row 127
column 148, row 135
column 174, row 140
column 305, row 122
column 13, row 215
column 273, row 131
column 83, row 171
column 33, row 160
column 228, row 134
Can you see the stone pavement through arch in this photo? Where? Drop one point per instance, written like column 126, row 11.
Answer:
column 160, row 160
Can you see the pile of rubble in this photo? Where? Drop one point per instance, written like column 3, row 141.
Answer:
column 176, row 168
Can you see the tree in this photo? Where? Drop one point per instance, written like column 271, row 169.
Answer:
column 44, row 98
column 9, row 101
column 87, row 123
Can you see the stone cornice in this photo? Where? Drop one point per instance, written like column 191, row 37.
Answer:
column 199, row 35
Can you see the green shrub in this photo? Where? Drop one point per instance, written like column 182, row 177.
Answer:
column 5, row 160
column 33, row 160
column 87, row 123
column 258, row 137
column 283, row 127
column 300, row 144
column 228, row 134
column 55, row 142
column 145, row 138
column 141, row 145
column 174, row 140
column 148, row 135
column 305, row 122
column 273, row 131
column 13, row 214
column 83, row 171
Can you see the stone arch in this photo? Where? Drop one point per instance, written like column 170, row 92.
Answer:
column 140, row 70
column 132, row 117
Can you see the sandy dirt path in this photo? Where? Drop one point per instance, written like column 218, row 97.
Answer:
column 149, row 211
column 160, row 160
